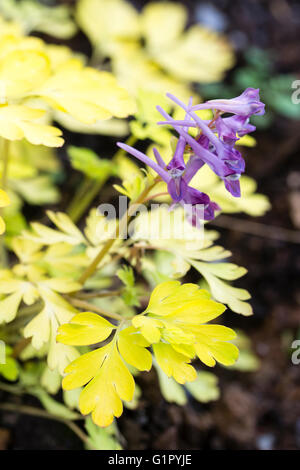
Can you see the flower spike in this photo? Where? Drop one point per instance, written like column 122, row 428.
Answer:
column 214, row 146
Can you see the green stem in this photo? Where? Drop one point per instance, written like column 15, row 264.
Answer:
column 91, row 307
column 93, row 266
column 83, row 188
column 98, row 295
column 87, row 192
column 13, row 389
column 119, row 230
column 78, row 209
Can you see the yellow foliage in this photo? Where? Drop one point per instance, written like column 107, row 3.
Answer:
column 37, row 80
column 108, row 379
column 153, row 50
column 177, row 314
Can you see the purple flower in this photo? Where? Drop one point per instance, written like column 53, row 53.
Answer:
column 239, row 124
column 224, row 160
column 193, row 200
column 214, row 145
column 177, row 185
column 157, row 167
column 226, row 132
column 176, row 180
column 247, row 104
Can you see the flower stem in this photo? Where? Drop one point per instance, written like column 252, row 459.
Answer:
column 83, row 187
column 93, row 266
column 98, row 295
column 91, row 307
column 119, row 230
column 13, row 389
column 78, row 206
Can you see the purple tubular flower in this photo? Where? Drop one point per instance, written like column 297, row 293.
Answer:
column 177, row 183
column 200, row 123
column 193, row 166
column 232, row 185
column 217, row 164
column 224, row 160
column 235, row 164
column 178, row 123
column 177, row 161
column 247, row 104
column 143, row 158
column 195, row 199
column 158, row 158
column 214, row 146
column 226, row 133
column 239, row 124
column 177, row 187
column 176, row 168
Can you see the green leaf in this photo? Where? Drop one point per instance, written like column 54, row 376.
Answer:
column 30, row 374
column 15, row 224
column 131, row 292
column 9, row 370
column 134, row 403
column 39, row 190
column 151, row 272
column 247, row 360
column 172, row 266
column 248, row 75
column 53, row 406
column 259, row 58
column 71, row 398
column 102, row 438
column 172, row 391
column 34, row 16
column 51, row 380
column 134, row 184
column 204, row 388
column 88, row 162
column 278, row 94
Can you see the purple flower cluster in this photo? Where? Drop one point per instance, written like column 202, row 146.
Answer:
column 214, row 145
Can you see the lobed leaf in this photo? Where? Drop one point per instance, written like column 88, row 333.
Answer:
column 85, row 329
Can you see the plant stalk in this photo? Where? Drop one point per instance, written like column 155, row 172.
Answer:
column 119, row 230
column 91, row 307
